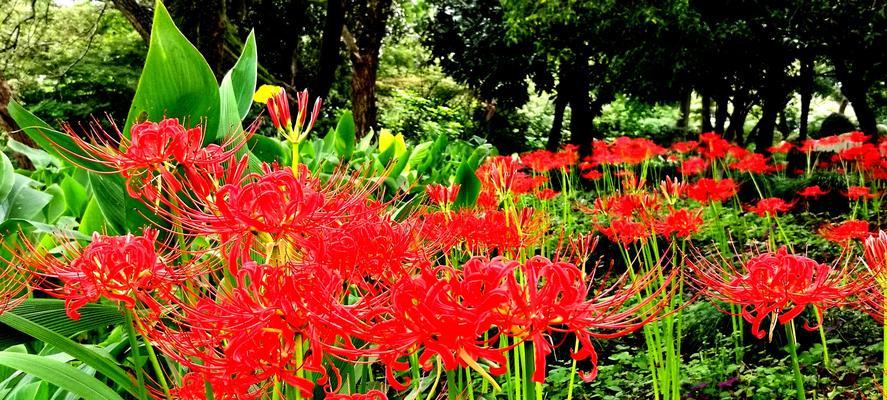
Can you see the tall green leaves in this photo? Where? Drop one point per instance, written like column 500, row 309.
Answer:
column 176, row 82
column 59, row 374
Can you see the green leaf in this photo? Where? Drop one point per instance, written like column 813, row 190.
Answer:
column 90, row 357
column 7, row 176
column 24, row 201
column 176, row 81
column 93, row 220
column 122, row 213
column 59, row 374
column 40, row 158
column 75, row 195
column 269, row 150
column 469, row 188
column 58, row 144
column 345, row 136
column 229, row 118
column 57, row 205
column 243, row 75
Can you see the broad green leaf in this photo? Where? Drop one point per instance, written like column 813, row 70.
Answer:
column 59, row 374
column 243, row 75
column 90, row 357
column 56, row 143
column 11, row 227
column 469, row 188
column 229, row 118
column 94, row 221
column 75, row 195
column 122, row 213
column 345, row 138
column 176, row 81
column 40, row 158
column 269, row 150
column 24, row 201
column 57, row 205
column 31, row 391
column 7, row 176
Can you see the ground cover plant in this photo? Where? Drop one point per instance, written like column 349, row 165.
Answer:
column 186, row 254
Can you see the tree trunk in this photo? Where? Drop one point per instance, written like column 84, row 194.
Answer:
column 7, row 124
column 705, row 113
column 684, row 120
column 865, row 116
column 330, row 56
column 204, row 23
column 721, row 113
column 368, row 22
column 856, row 91
column 138, row 16
column 555, row 135
column 581, row 132
column 363, row 93
column 736, row 130
column 806, row 90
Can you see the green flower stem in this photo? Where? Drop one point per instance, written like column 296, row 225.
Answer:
column 134, row 346
column 792, row 348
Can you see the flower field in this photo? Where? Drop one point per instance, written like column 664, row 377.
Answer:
column 189, row 253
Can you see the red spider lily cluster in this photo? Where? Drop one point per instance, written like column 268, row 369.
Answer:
column 274, row 275
column 780, row 285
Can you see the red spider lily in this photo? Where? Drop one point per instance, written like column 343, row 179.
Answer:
column 126, row 269
column 15, row 285
column 876, row 255
column 866, row 155
column 627, row 205
column 443, row 313
column 370, row 395
column 682, row 223
column 770, row 206
column 778, row 284
column 738, row 152
column 442, row 195
column 709, row 190
column 813, row 191
column 625, row 150
column 685, row 147
column 301, row 128
column 499, row 173
column 485, row 231
column 275, row 203
column 592, row 175
column 846, row 231
column 752, row 163
column 546, row 194
column 388, row 250
column 858, row 192
column 544, row 160
column 693, row 166
column 250, row 334
column 625, row 231
column 524, row 183
column 672, row 189
column 783, row 147
column 712, row 146
column 556, row 298
column 150, row 157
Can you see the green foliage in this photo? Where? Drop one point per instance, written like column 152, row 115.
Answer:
column 69, row 64
column 176, row 81
column 629, row 117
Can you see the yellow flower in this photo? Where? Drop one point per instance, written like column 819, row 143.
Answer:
column 265, row 93
column 386, row 140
